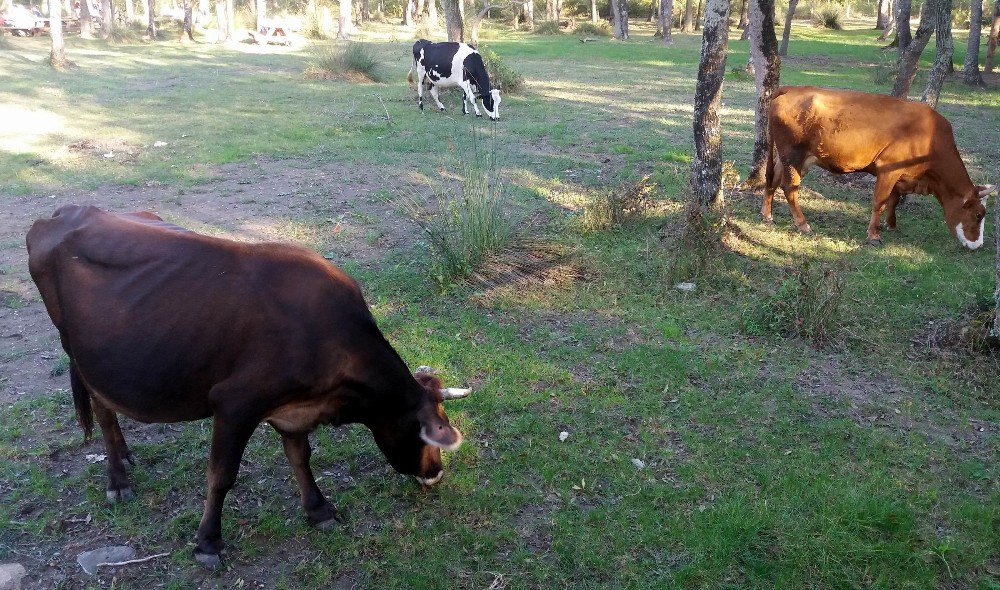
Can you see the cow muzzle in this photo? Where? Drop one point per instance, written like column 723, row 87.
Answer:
column 965, row 241
column 429, row 481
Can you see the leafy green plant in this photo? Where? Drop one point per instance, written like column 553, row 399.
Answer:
column 549, row 27
column 589, row 29
column 355, row 62
column 502, row 75
column 806, row 305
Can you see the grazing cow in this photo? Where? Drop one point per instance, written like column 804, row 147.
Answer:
column 907, row 146
column 166, row 325
column 449, row 65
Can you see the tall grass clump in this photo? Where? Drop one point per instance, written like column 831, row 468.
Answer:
column 589, row 29
column 805, row 305
column 549, row 27
column 472, row 223
column 354, row 62
column 885, row 70
column 828, row 17
column 502, row 75
column 619, row 206
column 130, row 34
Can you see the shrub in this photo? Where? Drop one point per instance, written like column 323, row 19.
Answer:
column 549, row 27
column 130, row 34
column 829, row 17
column 356, row 62
column 885, row 71
column 502, row 76
column 806, row 305
column 620, row 206
column 589, row 29
column 471, row 225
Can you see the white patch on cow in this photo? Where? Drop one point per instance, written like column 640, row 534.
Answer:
column 495, row 113
column 968, row 243
column 432, row 480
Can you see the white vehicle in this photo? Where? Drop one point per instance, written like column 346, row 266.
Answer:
column 21, row 21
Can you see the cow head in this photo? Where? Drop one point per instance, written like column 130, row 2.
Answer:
column 491, row 103
column 412, row 442
column 969, row 221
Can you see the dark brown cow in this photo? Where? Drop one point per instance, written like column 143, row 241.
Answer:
column 165, row 325
column 907, row 146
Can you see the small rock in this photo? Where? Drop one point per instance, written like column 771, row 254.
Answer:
column 109, row 155
column 10, row 576
column 96, row 458
column 686, row 287
column 159, row 144
column 639, row 464
column 89, row 560
column 563, row 436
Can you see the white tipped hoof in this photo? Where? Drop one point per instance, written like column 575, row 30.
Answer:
column 122, row 495
column 211, row 561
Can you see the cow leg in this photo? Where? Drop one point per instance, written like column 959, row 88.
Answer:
column 885, row 192
column 890, row 212
column 420, row 89
column 790, row 184
column 772, row 178
column 434, row 95
column 319, row 511
column 118, row 452
column 230, row 434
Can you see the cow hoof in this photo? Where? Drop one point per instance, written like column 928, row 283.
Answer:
column 891, row 227
column 441, row 109
column 479, row 116
column 122, row 495
column 211, row 561
column 874, row 241
column 329, row 523
column 805, row 229
column 768, row 220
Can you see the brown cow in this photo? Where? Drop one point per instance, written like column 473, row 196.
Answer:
column 907, row 146
column 165, row 325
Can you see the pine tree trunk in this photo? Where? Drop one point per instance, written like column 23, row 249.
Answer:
column 453, row 19
column 86, row 21
column 107, row 18
column 706, row 170
column 942, row 56
column 909, row 59
column 344, row 24
column 151, row 19
column 971, row 67
column 619, row 26
column 57, row 53
column 687, row 23
column 767, row 74
column 903, row 10
column 788, row 27
column 667, row 20
column 991, row 48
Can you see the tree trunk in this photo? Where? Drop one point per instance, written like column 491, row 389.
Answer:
column 767, row 74
column 654, row 13
column 475, row 21
column 697, row 18
column 222, row 19
column 909, row 59
column 529, row 14
column 129, row 11
column 744, row 10
column 86, row 21
column 972, row 75
column 230, row 20
column 418, row 12
column 667, row 20
column 687, row 23
column 619, row 25
column 788, row 27
column 260, row 12
column 706, row 169
column 890, row 20
column 903, row 9
column 344, row 24
column 996, row 225
column 991, row 48
column 57, row 54
column 880, row 18
column 432, row 12
column 408, row 13
column 942, row 55
column 151, row 19
column 107, row 18
column 594, row 16
column 453, row 19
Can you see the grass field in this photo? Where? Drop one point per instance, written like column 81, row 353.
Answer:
column 704, row 451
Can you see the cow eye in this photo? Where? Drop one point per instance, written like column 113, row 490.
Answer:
column 979, row 216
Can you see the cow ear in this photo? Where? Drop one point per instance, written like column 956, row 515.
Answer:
column 439, row 433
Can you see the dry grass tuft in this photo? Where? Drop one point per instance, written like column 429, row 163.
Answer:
column 620, row 206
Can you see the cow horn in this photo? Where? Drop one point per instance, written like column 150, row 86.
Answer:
column 984, row 191
column 453, row 393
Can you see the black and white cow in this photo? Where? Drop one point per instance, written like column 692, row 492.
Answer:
column 450, row 65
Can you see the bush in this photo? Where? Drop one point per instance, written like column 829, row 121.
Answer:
column 549, row 27
column 620, row 206
column 129, row 34
column 355, row 62
column 806, row 305
column 885, row 71
column 829, row 17
column 588, row 29
column 502, row 76
column 472, row 225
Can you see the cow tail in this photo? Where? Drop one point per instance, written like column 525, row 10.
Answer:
column 81, row 400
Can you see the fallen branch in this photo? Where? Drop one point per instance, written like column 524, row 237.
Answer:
column 131, row 561
column 388, row 120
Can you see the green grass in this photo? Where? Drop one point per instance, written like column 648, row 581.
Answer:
column 767, row 462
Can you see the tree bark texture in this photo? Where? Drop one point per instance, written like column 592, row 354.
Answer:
column 767, row 74
column 788, row 27
column 453, row 20
column 996, row 294
column 188, row 21
column 86, row 21
column 991, row 48
column 942, row 54
column 667, row 20
column 344, row 25
column 971, row 66
column 151, row 19
column 909, row 58
column 107, row 18
column 687, row 23
column 882, row 17
column 476, row 20
column 697, row 18
column 260, row 12
column 221, row 19
column 230, row 19
column 594, row 16
column 57, row 53
column 744, row 15
column 903, row 10
column 432, row 12
column 706, row 169
column 529, row 14
column 619, row 25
